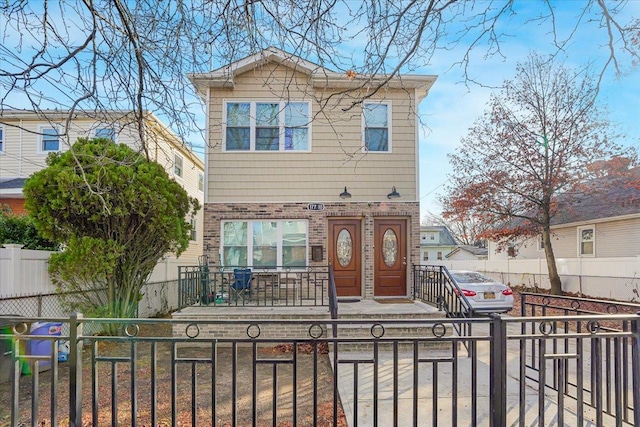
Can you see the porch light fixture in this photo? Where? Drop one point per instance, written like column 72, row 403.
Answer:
column 394, row 194
column 345, row 194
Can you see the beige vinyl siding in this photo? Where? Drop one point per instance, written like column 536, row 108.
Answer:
column 613, row 238
column 335, row 160
column 618, row 238
column 21, row 157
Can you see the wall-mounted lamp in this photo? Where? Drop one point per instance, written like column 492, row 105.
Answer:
column 394, row 194
column 345, row 194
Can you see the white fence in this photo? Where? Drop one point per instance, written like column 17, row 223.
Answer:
column 614, row 278
column 24, row 272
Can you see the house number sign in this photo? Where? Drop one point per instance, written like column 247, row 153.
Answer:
column 316, row 207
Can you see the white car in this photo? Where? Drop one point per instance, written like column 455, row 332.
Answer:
column 483, row 293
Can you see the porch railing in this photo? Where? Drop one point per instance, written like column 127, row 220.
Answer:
column 433, row 284
column 517, row 371
column 268, row 286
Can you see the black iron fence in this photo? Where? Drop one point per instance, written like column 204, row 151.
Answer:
column 242, row 286
column 553, row 370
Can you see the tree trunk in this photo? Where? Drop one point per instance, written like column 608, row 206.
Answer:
column 554, row 278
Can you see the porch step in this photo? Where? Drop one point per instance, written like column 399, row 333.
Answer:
column 368, row 321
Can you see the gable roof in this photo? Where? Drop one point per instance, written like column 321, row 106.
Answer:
column 320, row 77
column 446, row 238
column 619, row 197
column 474, row 250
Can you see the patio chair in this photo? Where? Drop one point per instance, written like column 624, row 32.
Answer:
column 241, row 285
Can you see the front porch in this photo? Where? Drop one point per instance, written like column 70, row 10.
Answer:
column 225, row 287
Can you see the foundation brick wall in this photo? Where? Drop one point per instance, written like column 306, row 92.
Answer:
column 206, row 330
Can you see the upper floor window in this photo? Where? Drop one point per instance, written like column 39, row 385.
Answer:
column 49, row 140
column 200, row 181
column 1, row 139
column 107, row 133
column 376, row 124
column 264, row 243
column 267, row 126
column 177, row 165
column 586, row 241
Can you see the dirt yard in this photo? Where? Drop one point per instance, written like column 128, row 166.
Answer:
column 188, row 373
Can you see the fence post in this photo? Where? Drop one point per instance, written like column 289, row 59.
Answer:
column 75, row 370
column 15, row 267
column 498, row 371
column 635, row 367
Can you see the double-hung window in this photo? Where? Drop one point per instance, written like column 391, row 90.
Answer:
column 267, row 126
column 376, row 126
column 177, row 165
column 200, row 181
column 586, row 241
column 193, row 231
column 264, row 243
column 49, row 140
column 107, row 133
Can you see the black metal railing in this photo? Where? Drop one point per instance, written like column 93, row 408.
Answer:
column 268, row 286
column 279, row 372
column 614, row 367
column 433, row 285
column 333, row 300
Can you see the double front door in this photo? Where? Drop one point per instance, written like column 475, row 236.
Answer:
column 389, row 257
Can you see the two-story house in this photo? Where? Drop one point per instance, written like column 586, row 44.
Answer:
column 26, row 139
column 306, row 167
column 436, row 242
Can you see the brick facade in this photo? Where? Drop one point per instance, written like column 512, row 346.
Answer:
column 16, row 205
column 367, row 212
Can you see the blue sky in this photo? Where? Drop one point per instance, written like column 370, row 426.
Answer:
column 451, row 107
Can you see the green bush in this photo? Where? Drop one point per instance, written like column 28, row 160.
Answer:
column 21, row 230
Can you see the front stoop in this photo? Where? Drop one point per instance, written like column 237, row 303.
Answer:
column 372, row 324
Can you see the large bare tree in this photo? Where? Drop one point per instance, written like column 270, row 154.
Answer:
column 98, row 55
column 530, row 154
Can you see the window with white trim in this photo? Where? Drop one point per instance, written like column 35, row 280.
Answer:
column 106, row 132
column 587, row 241
column 264, row 243
column 439, row 256
column 193, row 235
column 540, row 242
column 267, row 126
column 49, row 140
column 177, row 165
column 376, row 125
column 425, row 256
column 2, row 133
column 200, row 181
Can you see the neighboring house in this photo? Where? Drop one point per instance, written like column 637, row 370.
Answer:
column 436, row 241
column 302, row 171
column 467, row 253
column 26, row 139
column 601, row 225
